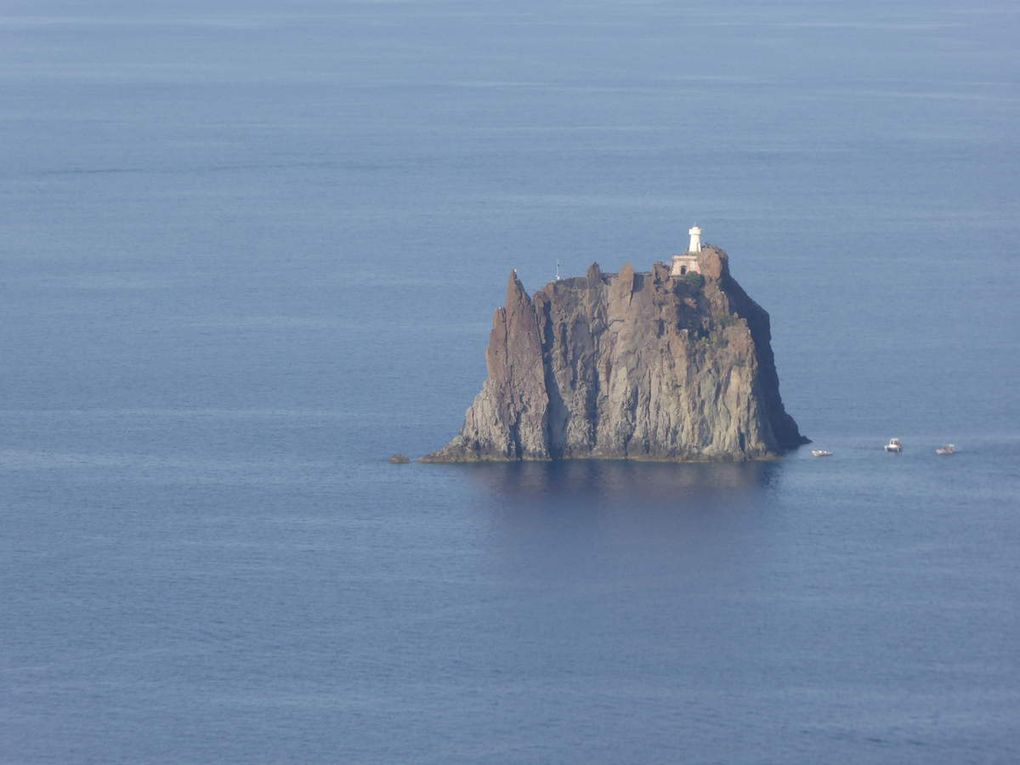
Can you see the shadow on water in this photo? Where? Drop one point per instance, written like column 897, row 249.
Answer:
column 594, row 518
column 653, row 483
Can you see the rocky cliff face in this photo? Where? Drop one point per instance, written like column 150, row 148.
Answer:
column 628, row 366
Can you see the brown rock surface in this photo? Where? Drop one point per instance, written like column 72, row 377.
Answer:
column 628, row 366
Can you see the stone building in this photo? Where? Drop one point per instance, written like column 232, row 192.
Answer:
column 688, row 262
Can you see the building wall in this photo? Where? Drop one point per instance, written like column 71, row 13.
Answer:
column 685, row 264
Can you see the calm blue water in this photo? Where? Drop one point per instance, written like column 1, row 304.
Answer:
column 251, row 249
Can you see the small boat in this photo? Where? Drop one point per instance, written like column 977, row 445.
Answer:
column 821, row 453
column 946, row 451
column 894, row 445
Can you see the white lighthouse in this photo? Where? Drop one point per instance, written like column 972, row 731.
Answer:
column 688, row 262
column 695, row 233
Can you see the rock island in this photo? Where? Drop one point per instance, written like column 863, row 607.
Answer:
column 675, row 364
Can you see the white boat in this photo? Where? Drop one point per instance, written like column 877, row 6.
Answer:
column 821, row 453
column 946, row 451
column 894, row 445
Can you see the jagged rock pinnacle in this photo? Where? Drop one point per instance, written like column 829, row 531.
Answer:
column 629, row 366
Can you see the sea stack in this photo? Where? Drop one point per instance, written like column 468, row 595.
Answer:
column 674, row 365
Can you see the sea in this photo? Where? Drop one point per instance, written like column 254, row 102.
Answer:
column 249, row 250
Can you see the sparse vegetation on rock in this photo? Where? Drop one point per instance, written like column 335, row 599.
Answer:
column 628, row 365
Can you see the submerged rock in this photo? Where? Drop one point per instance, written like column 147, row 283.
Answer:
column 628, row 366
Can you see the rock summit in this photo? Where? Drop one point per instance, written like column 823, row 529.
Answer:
column 654, row 366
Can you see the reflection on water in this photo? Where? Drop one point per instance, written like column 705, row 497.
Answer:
column 651, row 482
column 596, row 523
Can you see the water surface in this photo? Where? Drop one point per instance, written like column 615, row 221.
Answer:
column 248, row 251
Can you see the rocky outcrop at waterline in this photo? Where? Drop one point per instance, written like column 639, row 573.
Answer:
column 629, row 366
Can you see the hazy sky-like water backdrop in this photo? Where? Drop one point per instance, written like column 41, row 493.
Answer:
column 248, row 250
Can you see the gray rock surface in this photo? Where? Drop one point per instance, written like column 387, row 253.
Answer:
column 628, row 366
